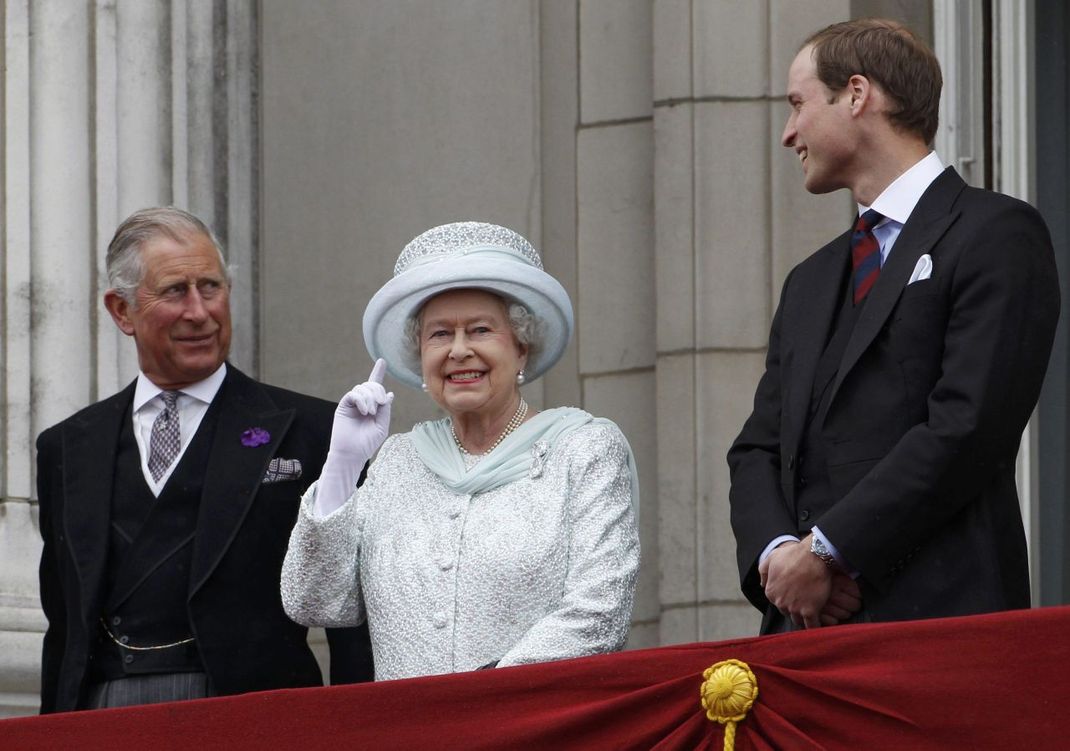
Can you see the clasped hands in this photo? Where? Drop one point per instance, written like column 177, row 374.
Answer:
column 802, row 587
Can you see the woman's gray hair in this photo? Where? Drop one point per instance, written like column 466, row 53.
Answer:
column 526, row 326
column 124, row 266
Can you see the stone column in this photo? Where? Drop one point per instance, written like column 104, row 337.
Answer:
column 614, row 300
column 732, row 218
column 108, row 106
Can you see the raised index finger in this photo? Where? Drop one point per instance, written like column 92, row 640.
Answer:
column 378, row 371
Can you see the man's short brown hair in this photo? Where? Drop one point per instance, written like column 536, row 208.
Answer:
column 889, row 55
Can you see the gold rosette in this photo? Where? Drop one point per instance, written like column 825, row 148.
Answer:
column 728, row 692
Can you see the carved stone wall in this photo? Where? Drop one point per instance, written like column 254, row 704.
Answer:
column 107, row 106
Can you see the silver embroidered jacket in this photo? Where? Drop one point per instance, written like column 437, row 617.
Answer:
column 541, row 569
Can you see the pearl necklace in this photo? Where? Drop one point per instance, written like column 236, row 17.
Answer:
column 513, row 424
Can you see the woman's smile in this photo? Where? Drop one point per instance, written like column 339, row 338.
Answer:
column 465, row 377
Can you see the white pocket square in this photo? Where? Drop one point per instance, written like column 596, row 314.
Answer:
column 923, row 269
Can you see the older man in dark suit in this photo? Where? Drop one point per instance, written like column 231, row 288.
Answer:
column 166, row 509
column 874, row 479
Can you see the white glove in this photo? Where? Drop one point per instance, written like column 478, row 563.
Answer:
column 361, row 424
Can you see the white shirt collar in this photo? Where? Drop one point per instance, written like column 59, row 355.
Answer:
column 204, row 391
column 898, row 200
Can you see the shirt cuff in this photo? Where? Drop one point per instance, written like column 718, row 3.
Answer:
column 774, row 544
column 840, row 560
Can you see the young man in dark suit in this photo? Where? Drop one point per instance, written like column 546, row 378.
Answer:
column 166, row 509
column 874, row 479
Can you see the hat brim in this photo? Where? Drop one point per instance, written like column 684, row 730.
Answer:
column 401, row 297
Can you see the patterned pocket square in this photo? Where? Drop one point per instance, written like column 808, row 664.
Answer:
column 282, row 470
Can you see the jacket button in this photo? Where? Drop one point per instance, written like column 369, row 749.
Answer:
column 440, row 620
column 116, row 620
column 124, row 639
column 804, row 514
column 455, row 513
column 445, row 565
column 128, row 659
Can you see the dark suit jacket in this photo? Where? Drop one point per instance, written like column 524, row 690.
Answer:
column 245, row 640
column 935, row 386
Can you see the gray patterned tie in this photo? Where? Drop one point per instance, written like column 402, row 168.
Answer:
column 166, row 437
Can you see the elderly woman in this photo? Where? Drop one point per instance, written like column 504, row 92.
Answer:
column 497, row 536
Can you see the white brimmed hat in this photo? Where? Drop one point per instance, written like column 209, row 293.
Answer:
column 466, row 255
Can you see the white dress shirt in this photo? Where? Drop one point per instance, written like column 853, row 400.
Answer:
column 896, row 203
column 898, row 200
column 193, row 401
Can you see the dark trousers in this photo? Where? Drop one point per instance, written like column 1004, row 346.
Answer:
column 148, row 689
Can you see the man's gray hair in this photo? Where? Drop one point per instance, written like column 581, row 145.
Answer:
column 124, row 266
column 526, row 326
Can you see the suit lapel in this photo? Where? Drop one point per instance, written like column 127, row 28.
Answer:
column 810, row 324
column 234, row 470
column 929, row 221
column 89, row 446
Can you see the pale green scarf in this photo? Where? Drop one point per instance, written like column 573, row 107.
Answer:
column 511, row 459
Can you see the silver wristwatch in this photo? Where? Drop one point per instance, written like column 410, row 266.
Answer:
column 818, row 548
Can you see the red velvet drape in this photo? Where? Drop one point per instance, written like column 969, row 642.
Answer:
column 996, row 681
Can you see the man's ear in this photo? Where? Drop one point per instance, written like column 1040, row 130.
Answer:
column 119, row 309
column 860, row 90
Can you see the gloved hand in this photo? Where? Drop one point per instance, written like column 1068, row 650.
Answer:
column 361, row 424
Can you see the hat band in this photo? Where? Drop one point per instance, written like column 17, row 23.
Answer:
column 482, row 251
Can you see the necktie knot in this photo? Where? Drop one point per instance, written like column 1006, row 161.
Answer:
column 170, row 398
column 868, row 220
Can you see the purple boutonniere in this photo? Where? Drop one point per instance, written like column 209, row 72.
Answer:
column 255, row 437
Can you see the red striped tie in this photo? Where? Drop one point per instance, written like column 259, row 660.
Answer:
column 865, row 255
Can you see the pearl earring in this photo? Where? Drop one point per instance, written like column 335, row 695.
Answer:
column 520, row 378
column 424, row 387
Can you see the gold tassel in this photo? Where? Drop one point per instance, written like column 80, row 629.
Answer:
column 728, row 692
